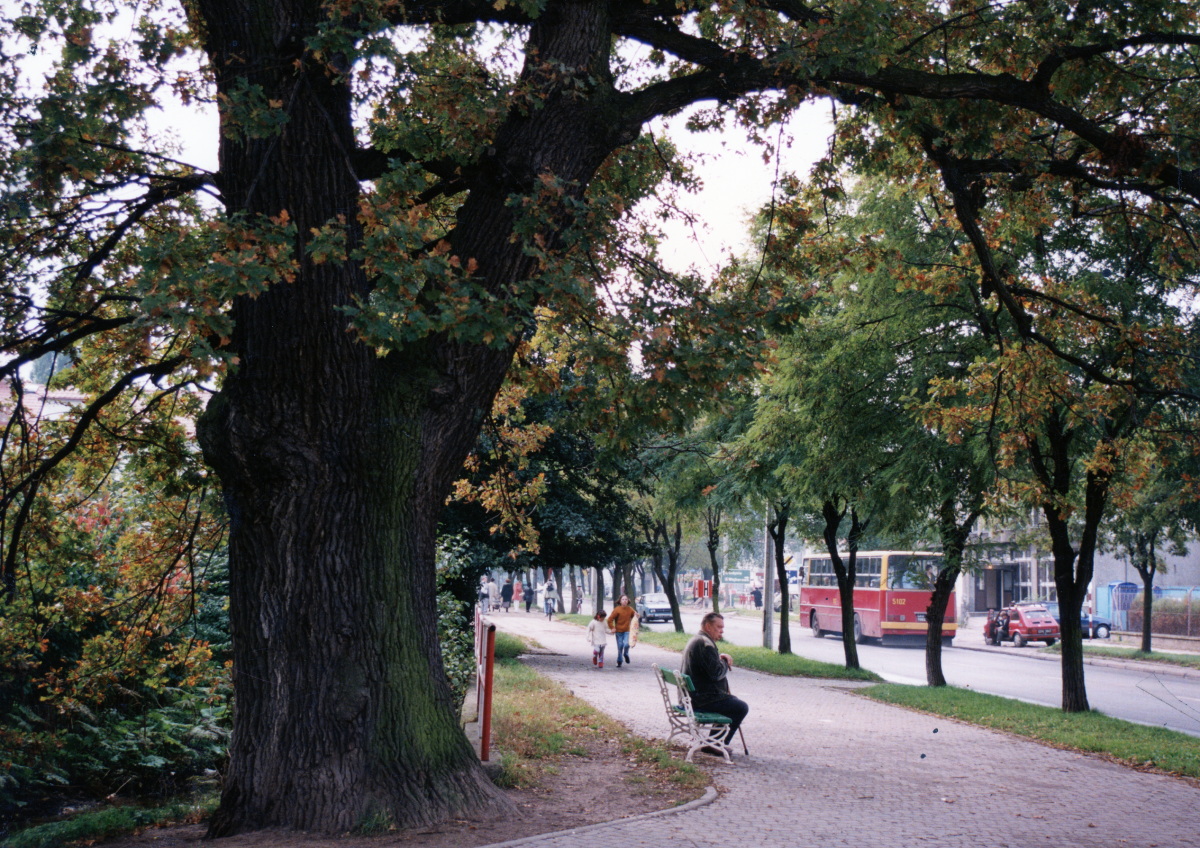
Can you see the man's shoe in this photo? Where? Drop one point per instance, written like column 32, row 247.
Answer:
column 709, row 749
column 594, row 659
column 618, row 663
column 601, row 663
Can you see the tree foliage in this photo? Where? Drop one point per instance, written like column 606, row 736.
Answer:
column 114, row 646
column 404, row 190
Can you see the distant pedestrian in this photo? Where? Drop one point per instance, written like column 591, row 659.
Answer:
column 622, row 619
column 493, row 594
column 551, row 598
column 756, row 593
column 518, row 593
column 506, row 594
column 597, row 634
column 484, row 596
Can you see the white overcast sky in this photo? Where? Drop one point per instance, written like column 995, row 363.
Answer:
column 737, row 183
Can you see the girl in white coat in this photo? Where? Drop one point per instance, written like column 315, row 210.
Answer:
column 597, row 634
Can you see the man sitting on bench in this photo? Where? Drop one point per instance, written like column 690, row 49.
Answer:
column 709, row 670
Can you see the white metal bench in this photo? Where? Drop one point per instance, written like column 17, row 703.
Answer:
column 697, row 729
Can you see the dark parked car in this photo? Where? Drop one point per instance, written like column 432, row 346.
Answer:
column 654, row 607
column 1019, row 624
column 1094, row 627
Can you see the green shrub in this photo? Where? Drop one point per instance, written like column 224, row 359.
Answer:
column 456, row 631
column 110, row 821
column 123, row 692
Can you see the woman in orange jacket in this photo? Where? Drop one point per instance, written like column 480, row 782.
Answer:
column 621, row 620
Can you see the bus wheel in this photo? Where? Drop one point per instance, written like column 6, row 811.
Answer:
column 858, row 637
column 1018, row 640
column 816, row 628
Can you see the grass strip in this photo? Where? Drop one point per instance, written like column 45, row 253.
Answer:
column 537, row 722
column 95, row 825
column 1120, row 653
column 756, row 658
column 1131, row 744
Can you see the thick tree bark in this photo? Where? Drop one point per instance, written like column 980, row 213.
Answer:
column 335, row 462
column 343, row 713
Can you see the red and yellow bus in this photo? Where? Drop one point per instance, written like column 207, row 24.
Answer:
column 892, row 590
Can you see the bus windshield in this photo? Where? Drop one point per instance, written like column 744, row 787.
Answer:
column 913, row 572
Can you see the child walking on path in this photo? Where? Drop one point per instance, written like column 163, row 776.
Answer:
column 597, row 634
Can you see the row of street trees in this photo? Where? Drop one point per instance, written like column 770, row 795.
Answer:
column 407, row 191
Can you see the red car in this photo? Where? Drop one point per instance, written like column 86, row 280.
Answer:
column 1019, row 624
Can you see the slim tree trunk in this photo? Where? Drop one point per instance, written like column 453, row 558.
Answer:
column 1141, row 553
column 954, row 541
column 660, row 541
column 935, row 616
column 778, row 531
column 1147, row 607
column 845, row 572
column 1069, row 605
column 1051, row 461
column 712, row 519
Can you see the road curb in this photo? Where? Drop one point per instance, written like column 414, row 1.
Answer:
column 1105, row 662
column 710, row 795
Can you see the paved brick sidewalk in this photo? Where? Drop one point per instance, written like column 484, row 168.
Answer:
column 827, row 767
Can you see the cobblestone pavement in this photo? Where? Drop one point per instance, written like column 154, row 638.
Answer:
column 827, row 767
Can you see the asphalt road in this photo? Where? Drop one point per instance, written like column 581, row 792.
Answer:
column 1142, row 692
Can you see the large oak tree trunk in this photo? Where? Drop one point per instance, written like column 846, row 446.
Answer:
column 335, row 462
column 343, row 712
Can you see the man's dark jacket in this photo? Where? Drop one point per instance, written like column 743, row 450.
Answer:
column 702, row 662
